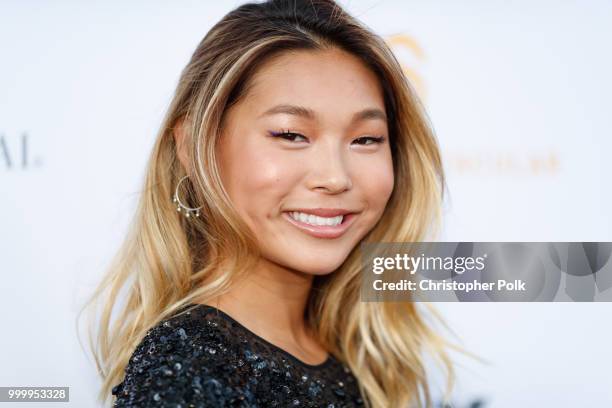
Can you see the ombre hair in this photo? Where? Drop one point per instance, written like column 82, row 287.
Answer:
column 168, row 261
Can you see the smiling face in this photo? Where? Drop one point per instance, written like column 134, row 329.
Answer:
column 336, row 157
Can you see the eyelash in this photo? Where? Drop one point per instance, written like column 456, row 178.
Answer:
column 374, row 139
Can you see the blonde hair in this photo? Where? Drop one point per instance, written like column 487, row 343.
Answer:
column 167, row 261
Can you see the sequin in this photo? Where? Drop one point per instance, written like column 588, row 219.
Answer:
column 205, row 358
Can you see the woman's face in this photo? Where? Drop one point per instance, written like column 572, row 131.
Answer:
column 332, row 160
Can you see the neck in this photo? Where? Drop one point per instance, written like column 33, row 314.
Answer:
column 272, row 300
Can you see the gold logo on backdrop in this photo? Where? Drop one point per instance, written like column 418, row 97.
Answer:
column 411, row 57
column 531, row 163
column 405, row 48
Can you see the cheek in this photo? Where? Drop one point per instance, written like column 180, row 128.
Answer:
column 376, row 181
column 259, row 179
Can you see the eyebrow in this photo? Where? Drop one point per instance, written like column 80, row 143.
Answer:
column 366, row 114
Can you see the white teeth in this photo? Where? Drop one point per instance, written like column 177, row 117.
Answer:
column 316, row 220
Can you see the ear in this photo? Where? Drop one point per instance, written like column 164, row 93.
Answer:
column 180, row 138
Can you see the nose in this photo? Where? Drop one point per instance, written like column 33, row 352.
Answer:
column 329, row 170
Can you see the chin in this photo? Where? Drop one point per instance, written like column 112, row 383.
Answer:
column 318, row 267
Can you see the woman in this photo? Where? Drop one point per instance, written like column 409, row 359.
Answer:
column 292, row 137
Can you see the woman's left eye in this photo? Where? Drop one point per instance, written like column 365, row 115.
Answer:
column 365, row 139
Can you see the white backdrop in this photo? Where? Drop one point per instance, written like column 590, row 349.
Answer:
column 519, row 96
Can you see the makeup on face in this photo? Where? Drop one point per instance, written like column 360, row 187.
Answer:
column 307, row 163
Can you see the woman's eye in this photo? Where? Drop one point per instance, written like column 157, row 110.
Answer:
column 291, row 136
column 296, row 137
column 368, row 140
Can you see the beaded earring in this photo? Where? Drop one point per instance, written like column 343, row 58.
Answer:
column 187, row 211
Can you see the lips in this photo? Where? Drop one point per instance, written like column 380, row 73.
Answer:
column 323, row 231
column 323, row 212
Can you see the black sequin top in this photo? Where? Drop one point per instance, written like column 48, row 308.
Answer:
column 205, row 358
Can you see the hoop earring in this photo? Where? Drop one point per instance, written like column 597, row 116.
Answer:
column 186, row 210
